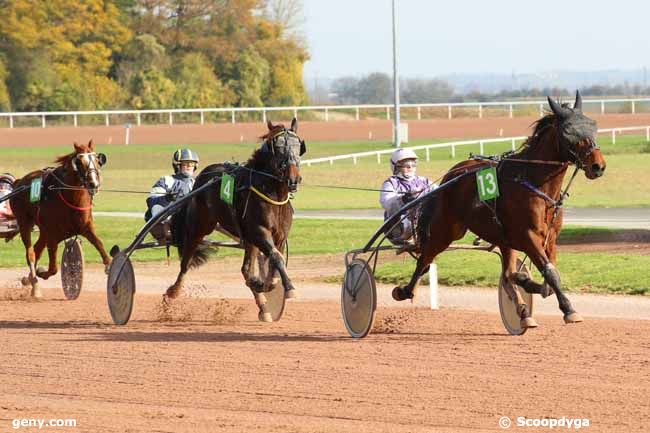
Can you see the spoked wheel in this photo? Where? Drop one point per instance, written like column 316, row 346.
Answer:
column 358, row 298
column 72, row 269
column 120, row 288
column 508, row 308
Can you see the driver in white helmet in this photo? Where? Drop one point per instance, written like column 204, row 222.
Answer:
column 401, row 188
column 169, row 188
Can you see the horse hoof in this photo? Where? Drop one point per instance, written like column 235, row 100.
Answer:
column 25, row 281
column 265, row 317
column 171, row 293
column 528, row 322
column 573, row 318
column 36, row 293
column 291, row 294
column 399, row 294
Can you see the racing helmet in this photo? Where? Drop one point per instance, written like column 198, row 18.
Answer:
column 400, row 155
column 183, row 155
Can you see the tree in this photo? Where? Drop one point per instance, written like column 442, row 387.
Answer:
column 415, row 91
column 250, row 78
column 5, row 102
column 151, row 89
column 196, row 84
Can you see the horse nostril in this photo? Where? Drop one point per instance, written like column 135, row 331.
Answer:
column 596, row 168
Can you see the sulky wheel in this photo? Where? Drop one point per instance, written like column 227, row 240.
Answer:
column 358, row 298
column 508, row 308
column 72, row 268
column 120, row 288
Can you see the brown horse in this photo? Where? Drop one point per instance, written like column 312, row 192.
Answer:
column 260, row 216
column 64, row 209
column 522, row 217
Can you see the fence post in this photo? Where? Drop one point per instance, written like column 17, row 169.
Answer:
column 75, row 120
column 482, row 147
column 511, row 111
column 263, row 116
column 387, row 113
column 647, row 133
column 232, row 116
column 633, row 108
column 419, row 113
column 480, row 111
column 378, row 158
column 171, row 119
column 108, row 123
column 449, row 112
column 453, row 151
column 357, row 112
column 43, row 121
column 541, row 110
column 354, row 160
column 513, row 144
column 613, row 136
column 203, row 118
column 602, row 107
column 327, row 115
column 427, row 151
column 295, row 113
column 139, row 120
column 11, row 121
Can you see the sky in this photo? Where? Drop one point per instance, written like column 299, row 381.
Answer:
column 354, row 37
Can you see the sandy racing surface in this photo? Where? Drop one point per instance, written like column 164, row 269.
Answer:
column 209, row 365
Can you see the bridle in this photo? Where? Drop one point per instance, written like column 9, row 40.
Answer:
column 84, row 176
column 579, row 156
column 292, row 148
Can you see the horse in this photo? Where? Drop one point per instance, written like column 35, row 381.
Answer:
column 63, row 210
column 526, row 216
column 260, row 216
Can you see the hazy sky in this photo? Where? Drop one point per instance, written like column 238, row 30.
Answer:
column 353, row 37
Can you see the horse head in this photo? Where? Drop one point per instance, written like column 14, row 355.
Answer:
column 286, row 148
column 577, row 137
column 86, row 164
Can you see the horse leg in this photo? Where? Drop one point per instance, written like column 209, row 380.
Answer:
column 89, row 233
column 52, row 267
column 428, row 252
column 509, row 269
column 537, row 253
column 30, row 256
column 255, row 284
column 276, row 260
column 188, row 252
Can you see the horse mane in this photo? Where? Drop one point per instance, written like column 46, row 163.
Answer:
column 539, row 127
column 64, row 160
column 261, row 159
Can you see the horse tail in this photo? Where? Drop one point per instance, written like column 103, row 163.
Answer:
column 425, row 217
column 183, row 230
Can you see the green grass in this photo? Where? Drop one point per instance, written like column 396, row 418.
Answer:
column 588, row 272
column 626, row 182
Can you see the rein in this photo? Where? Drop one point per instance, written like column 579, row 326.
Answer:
column 71, row 206
column 267, row 199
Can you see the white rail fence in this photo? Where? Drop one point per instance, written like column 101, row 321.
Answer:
column 588, row 104
column 454, row 144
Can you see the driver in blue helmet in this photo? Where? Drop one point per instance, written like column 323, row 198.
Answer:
column 171, row 187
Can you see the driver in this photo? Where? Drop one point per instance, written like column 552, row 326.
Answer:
column 401, row 188
column 169, row 188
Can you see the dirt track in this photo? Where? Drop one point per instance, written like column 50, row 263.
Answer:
column 210, row 366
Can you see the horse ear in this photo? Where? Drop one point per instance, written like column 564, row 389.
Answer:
column 269, row 125
column 578, row 103
column 91, row 145
column 294, row 125
column 78, row 148
column 557, row 109
column 303, row 147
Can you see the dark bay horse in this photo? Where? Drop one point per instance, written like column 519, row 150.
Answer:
column 522, row 217
column 260, row 216
column 64, row 209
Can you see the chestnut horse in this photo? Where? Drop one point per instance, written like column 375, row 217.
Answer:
column 527, row 216
column 64, row 209
column 260, row 216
